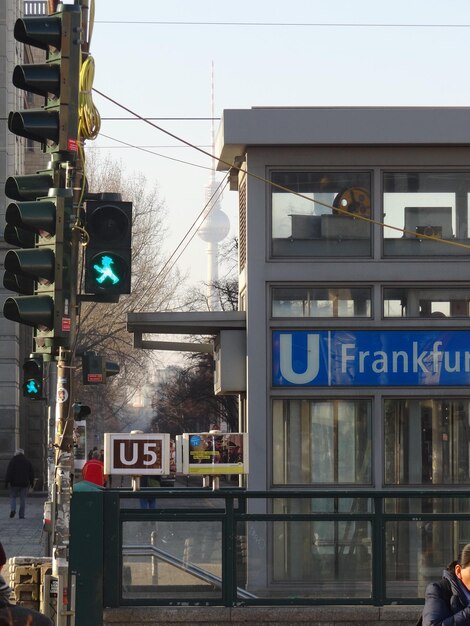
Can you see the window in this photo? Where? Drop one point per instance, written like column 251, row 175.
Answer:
column 321, row 302
column 321, row 442
column 326, row 221
column 427, row 441
column 426, row 208
column 428, row 302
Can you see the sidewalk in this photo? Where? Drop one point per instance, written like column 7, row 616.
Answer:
column 23, row 537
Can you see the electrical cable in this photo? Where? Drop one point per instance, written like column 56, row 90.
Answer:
column 163, row 156
column 281, row 187
column 89, row 121
column 286, row 24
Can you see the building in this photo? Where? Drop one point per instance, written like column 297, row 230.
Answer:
column 23, row 423
column 354, row 297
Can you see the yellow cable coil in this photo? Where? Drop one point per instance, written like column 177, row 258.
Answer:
column 89, row 120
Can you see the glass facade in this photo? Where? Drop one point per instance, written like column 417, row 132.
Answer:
column 379, row 441
column 427, row 441
column 321, row 442
column 321, row 302
column 323, row 216
column 422, row 209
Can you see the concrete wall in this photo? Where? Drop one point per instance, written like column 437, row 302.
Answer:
column 274, row 616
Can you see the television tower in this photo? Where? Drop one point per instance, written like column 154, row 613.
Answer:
column 215, row 225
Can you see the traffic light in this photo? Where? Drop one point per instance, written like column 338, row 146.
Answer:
column 96, row 369
column 55, row 125
column 40, row 269
column 39, row 219
column 80, row 411
column 108, row 254
column 33, row 377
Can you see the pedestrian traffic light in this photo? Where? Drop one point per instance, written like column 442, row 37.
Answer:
column 108, row 255
column 96, row 369
column 55, row 125
column 33, row 377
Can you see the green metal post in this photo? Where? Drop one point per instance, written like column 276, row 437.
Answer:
column 86, row 552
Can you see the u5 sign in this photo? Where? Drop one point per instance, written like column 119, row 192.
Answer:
column 137, row 454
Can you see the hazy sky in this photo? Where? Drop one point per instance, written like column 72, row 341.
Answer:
column 385, row 54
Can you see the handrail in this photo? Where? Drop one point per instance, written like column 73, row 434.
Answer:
column 199, row 572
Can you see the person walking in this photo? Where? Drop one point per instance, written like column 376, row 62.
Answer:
column 20, row 477
column 12, row 614
column 93, row 470
column 448, row 600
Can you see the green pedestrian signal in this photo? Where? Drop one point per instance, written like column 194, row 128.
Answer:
column 108, row 255
column 33, row 375
column 104, row 269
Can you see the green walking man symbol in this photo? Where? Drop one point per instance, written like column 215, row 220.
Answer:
column 32, row 387
column 105, row 271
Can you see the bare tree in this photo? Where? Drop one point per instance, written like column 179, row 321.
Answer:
column 185, row 402
column 102, row 327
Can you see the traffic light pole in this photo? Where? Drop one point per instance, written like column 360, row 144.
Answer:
column 64, row 468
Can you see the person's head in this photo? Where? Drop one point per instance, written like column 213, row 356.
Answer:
column 19, row 451
column 462, row 567
column 95, row 455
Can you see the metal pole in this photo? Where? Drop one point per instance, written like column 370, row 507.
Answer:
column 64, row 467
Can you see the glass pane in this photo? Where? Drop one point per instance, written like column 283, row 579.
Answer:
column 426, row 302
column 417, row 552
column 321, row 302
column 308, row 559
column 428, row 505
column 427, row 441
column 326, row 221
column 163, row 560
column 423, row 209
column 322, row 442
column 322, row 505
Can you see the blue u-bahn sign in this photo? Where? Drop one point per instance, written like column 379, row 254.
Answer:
column 370, row 358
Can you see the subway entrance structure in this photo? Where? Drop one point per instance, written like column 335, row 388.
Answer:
column 350, row 347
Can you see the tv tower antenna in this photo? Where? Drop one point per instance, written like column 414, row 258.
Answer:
column 215, row 225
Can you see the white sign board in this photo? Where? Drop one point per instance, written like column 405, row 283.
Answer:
column 137, row 455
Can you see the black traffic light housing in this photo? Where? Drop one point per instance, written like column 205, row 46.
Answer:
column 108, row 254
column 55, row 125
column 96, row 369
column 33, row 377
column 80, row 411
column 39, row 218
column 41, row 269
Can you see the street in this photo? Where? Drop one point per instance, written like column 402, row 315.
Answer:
column 23, row 537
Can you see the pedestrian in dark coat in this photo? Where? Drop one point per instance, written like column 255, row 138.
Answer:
column 13, row 615
column 447, row 601
column 20, row 477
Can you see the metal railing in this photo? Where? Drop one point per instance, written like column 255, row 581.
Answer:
column 284, row 547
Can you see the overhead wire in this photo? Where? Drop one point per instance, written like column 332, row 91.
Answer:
column 283, row 24
column 260, row 178
column 163, row 156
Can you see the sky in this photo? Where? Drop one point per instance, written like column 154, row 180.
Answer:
column 267, row 53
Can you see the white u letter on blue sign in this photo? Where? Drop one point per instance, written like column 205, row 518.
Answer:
column 285, row 359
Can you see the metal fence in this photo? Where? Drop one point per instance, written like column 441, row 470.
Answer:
column 231, row 547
